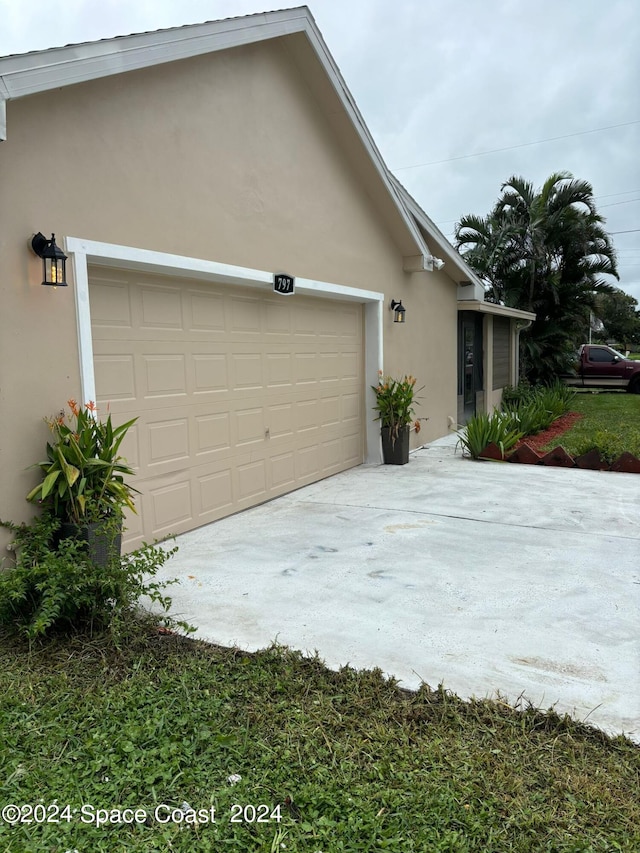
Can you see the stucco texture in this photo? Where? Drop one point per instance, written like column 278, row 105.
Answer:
column 231, row 157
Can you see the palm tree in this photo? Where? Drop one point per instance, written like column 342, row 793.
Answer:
column 542, row 251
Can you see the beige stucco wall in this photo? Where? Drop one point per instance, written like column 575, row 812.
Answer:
column 225, row 157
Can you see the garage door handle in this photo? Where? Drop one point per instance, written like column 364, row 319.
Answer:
column 267, row 433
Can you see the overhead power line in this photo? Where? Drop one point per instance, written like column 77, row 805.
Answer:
column 611, row 195
column 614, row 203
column 512, row 147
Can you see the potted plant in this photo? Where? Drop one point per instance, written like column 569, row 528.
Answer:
column 83, row 485
column 394, row 403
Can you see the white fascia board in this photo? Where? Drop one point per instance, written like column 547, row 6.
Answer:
column 39, row 71
column 495, row 309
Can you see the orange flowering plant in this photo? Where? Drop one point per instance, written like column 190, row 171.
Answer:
column 83, row 472
column 395, row 399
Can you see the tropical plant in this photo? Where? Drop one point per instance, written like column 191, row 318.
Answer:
column 83, row 472
column 536, row 407
column 395, row 399
column 60, row 588
column 526, row 410
column 542, row 251
column 498, row 428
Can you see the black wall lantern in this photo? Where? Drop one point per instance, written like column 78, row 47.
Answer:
column 54, row 260
column 399, row 310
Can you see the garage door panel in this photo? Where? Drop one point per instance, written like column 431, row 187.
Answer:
column 215, row 493
column 205, row 311
column 170, row 505
column 246, row 371
column 212, row 433
column 350, row 408
column 164, row 375
column 330, row 367
column 110, row 304
column 130, row 444
column 331, row 454
column 252, row 480
column 307, row 415
column 280, row 421
column 283, row 474
column 239, row 396
column 352, row 450
column 350, row 365
column 245, row 315
column 305, row 368
column 250, row 428
column 277, row 322
column 307, row 463
column 305, row 321
column 279, row 370
column 168, row 441
column 330, row 411
column 210, row 373
column 116, row 377
column 160, row 307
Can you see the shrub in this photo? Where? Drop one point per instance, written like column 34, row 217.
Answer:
column 556, row 398
column 483, row 429
column 57, row 587
column 609, row 444
column 535, row 408
column 526, row 410
column 516, row 394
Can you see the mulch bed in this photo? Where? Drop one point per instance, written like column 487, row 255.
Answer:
column 529, row 451
column 557, row 428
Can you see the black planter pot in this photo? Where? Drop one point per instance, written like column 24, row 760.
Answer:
column 103, row 542
column 395, row 452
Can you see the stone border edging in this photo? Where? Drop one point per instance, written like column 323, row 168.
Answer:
column 559, row 458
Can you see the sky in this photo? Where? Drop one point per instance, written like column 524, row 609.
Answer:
column 457, row 96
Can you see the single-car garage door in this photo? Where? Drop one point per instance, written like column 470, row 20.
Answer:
column 241, row 395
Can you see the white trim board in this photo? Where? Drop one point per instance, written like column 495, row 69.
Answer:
column 84, row 252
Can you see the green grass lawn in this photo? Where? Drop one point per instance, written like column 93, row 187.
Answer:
column 610, row 419
column 338, row 762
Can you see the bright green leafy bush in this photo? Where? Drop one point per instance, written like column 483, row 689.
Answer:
column 55, row 586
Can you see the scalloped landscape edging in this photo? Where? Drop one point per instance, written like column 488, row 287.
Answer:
column 559, row 458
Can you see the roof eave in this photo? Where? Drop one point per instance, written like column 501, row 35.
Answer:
column 495, row 309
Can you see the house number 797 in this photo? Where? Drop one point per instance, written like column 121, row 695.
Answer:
column 283, row 284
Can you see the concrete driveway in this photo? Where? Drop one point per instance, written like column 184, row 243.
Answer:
column 486, row 577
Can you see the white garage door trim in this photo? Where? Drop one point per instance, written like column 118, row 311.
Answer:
column 83, row 252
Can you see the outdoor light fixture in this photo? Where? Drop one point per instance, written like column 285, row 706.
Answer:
column 54, row 260
column 399, row 310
